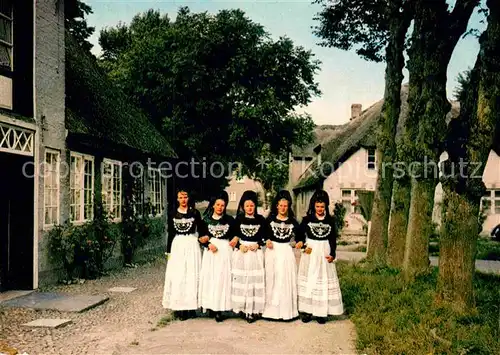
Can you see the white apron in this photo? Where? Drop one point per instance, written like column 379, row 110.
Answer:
column 182, row 274
column 319, row 288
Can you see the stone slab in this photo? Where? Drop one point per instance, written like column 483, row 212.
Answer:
column 9, row 295
column 48, row 323
column 57, row 301
column 122, row 289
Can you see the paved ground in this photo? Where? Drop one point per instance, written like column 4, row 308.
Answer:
column 487, row 266
column 127, row 324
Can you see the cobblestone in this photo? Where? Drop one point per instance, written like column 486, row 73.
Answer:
column 128, row 324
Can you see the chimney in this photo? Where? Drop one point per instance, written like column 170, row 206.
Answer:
column 355, row 111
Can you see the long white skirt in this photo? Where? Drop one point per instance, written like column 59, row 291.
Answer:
column 182, row 274
column 215, row 279
column 281, row 282
column 248, row 287
column 319, row 288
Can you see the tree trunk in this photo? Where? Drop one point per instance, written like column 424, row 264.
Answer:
column 457, row 250
column 378, row 234
column 435, row 35
column 474, row 135
column 398, row 222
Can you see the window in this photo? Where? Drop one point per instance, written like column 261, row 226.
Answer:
column 112, row 188
column 371, row 164
column 51, row 188
column 347, row 200
column 490, row 203
column 82, row 187
column 232, row 196
column 349, row 197
column 157, row 184
column 6, row 34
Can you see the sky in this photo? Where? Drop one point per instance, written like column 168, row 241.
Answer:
column 344, row 78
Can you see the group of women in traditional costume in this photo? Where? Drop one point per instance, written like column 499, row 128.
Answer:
column 247, row 264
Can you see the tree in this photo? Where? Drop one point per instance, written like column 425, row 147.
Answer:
column 470, row 139
column 76, row 24
column 216, row 85
column 378, row 29
column 436, row 32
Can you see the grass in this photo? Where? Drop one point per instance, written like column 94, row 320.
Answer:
column 486, row 249
column 165, row 320
column 394, row 318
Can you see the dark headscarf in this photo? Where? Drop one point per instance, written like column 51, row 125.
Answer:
column 247, row 195
column 222, row 195
column 319, row 196
column 282, row 195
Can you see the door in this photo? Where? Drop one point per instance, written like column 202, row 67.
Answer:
column 16, row 221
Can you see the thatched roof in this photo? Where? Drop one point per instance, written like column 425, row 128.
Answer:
column 357, row 133
column 97, row 110
column 321, row 134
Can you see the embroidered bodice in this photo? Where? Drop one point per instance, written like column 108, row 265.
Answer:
column 282, row 231
column 250, row 229
column 186, row 223
column 320, row 229
column 220, row 228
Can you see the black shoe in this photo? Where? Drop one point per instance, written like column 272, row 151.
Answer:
column 251, row 318
column 321, row 320
column 191, row 314
column 218, row 317
column 210, row 313
column 182, row 315
column 242, row 315
column 306, row 317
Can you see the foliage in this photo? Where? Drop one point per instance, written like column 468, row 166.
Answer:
column 76, row 24
column 339, row 212
column 366, row 203
column 216, row 85
column 393, row 317
column 82, row 250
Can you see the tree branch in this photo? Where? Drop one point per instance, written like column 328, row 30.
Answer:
column 459, row 17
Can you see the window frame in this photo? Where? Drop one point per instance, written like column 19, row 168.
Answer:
column 153, row 194
column 110, row 209
column 371, row 159
column 6, row 70
column 57, row 188
column 82, row 188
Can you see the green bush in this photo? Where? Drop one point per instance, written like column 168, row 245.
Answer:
column 339, row 212
column 366, row 203
column 82, row 250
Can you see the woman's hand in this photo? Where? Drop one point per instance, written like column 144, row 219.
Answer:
column 308, row 250
column 212, row 248
column 269, row 244
column 254, row 247
column 233, row 242
column 329, row 258
column 243, row 248
column 299, row 245
column 204, row 239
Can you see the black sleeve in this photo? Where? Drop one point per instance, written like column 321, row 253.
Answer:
column 264, row 224
column 234, row 230
column 301, row 231
column 201, row 226
column 170, row 231
column 332, row 238
column 298, row 232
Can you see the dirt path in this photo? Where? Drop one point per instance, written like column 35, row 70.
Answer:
column 128, row 324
